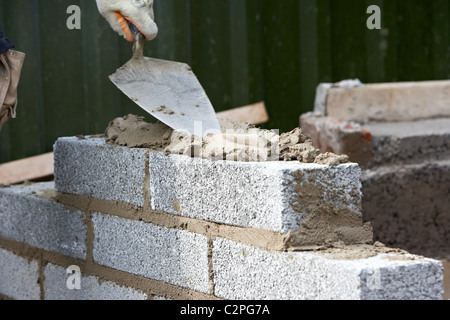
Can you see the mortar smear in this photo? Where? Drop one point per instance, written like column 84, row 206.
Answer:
column 239, row 142
column 132, row 131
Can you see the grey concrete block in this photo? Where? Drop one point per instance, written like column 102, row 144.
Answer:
column 93, row 168
column 19, row 277
column 380, row 143
column 242, row 272
column 174, row 256
column 404, row 101
column 320, row 103
column 409, row 206
column 332, row 135
column 273, row 196
column 409, row 142
column 91, row 287
column 41, row 223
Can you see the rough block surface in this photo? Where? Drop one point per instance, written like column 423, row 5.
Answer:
column 409, row 206
column 275, row 196
column 409, row 142
column 19, row 277
column 93, row 168
column 92, row 288
column 175, row 256
column 406, row 101
column 376, row 144
column 244, row 272
column 41, row 223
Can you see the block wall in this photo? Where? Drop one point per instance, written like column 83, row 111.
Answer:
column 134, row 224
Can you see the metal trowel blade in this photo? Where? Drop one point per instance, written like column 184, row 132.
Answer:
column 170, row 92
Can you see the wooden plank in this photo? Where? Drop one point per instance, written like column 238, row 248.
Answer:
column 27, row 169
column 254, row 114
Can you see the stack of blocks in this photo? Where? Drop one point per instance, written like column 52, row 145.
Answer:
column 399, row 134
column 140, row 224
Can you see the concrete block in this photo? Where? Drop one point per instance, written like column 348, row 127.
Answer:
column 19, row 277
column 174, row 256
column 91, row 287
column 93, row 168
column 286, row 197
column 340, row 137
column 380, row 143
column 320, row 103
column 409, row 142
column 409, row 206
column 242, row 272
column 406, row 101
column 41, row 223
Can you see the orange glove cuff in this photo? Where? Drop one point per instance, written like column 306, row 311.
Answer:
column 124, row 20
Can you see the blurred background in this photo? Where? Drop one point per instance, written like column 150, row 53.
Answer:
column 243, row 52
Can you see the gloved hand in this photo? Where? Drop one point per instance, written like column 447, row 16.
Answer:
column 119, row 13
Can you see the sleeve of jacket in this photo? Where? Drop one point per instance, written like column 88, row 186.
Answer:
column 5, row 44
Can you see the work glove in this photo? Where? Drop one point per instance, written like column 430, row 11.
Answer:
column 11, row 63
column 120, row 13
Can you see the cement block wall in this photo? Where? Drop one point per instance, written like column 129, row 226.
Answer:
column 136, row 230
column 399, row 134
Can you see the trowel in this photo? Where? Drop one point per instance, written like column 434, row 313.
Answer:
column 167, row 90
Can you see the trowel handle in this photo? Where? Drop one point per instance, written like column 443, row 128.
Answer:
column 138, row 46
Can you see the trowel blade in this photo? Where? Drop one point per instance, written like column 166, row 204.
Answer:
column 170, row 92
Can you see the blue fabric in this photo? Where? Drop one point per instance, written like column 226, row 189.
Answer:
column 5, row 44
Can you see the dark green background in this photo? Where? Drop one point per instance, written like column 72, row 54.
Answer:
column 243, row 51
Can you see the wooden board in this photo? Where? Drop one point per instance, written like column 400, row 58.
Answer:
column 26, row 169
